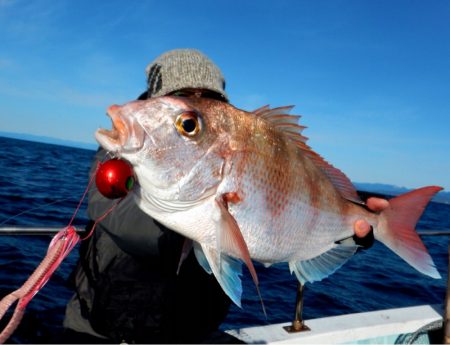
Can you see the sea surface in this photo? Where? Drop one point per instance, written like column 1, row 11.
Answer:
column 41, row 185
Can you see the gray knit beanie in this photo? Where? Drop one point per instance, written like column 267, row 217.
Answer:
column 183, row 69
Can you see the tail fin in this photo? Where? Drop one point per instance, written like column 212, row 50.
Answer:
column 397, row 224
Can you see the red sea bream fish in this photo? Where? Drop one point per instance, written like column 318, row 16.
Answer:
column 245, row 186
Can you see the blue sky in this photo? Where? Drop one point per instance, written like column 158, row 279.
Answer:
column 371, row 78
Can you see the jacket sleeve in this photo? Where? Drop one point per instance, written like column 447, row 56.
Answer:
column 133, row 230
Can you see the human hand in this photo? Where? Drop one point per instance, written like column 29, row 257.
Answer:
column 361, row 226
column 377, row 204
column 363, row 230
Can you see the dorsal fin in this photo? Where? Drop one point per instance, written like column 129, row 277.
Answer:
column 288, row 124
column 266, row 111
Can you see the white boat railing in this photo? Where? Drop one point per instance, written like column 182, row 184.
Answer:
column 20, row 230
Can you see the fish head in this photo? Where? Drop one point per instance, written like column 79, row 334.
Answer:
column 172, row 143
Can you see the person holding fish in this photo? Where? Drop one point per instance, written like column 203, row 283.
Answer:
column 136, row 279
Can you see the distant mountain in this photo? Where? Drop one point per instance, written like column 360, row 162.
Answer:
column 387, row 189
column 48, row 140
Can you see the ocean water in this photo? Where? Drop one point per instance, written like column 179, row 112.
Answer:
column 41, row 184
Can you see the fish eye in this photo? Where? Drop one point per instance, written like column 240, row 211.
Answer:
column 188, row 124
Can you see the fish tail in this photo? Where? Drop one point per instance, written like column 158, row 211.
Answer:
column 396, row 229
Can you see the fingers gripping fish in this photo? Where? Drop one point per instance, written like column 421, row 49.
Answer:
column 246, row 186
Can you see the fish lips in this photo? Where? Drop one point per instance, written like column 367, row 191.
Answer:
column 126, row 135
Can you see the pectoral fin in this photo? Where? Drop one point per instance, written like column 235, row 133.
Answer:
column 230, row 237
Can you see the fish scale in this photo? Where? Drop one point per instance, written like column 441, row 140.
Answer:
column 245, row 186
column 283, row 210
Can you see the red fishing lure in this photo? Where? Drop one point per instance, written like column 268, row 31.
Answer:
column 114, row 178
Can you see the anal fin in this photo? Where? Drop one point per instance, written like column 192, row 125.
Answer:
column 322, row 266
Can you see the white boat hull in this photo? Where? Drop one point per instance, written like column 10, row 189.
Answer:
column 376, row 327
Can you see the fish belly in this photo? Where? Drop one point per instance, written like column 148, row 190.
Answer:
column 300, row 232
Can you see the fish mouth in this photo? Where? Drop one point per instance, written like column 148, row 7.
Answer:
column 123, row 136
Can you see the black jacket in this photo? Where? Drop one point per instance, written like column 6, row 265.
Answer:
column 126, row 284
column 142, row 299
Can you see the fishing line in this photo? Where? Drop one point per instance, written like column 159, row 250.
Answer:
column 90, row 183
column 99, row 219
column 108, row 155
column 60, row 246
column 91, row 180
column 35, row 208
